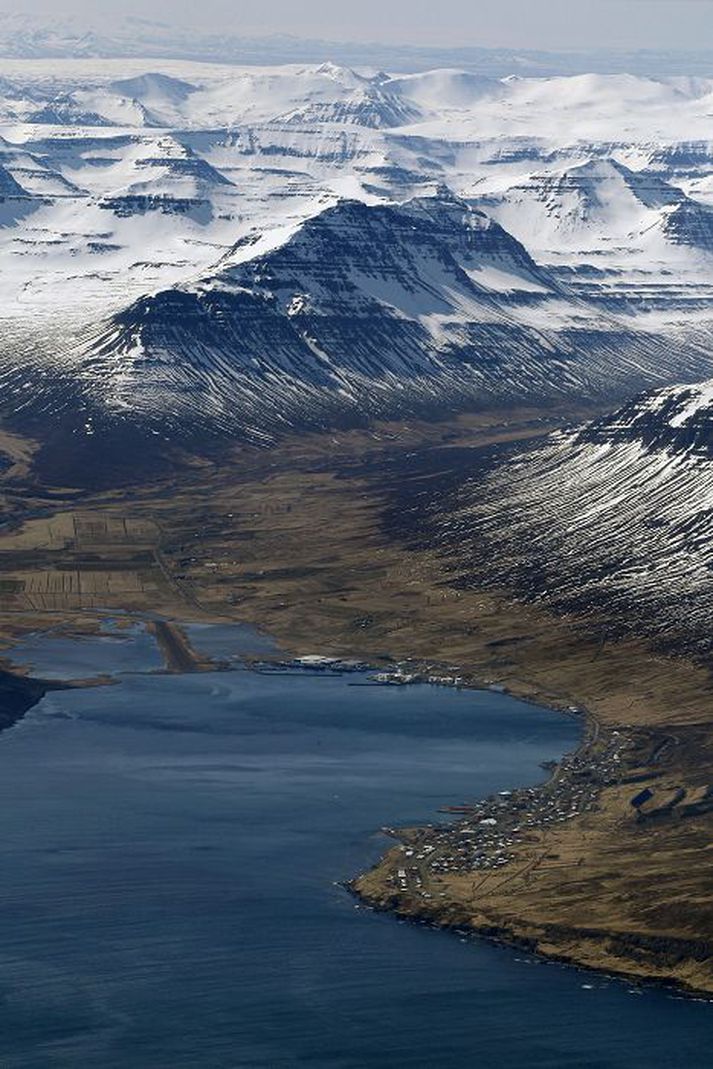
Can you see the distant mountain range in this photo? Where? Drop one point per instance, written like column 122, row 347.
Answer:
column 37, row 37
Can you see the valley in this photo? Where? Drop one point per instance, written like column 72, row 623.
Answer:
column 321, row 543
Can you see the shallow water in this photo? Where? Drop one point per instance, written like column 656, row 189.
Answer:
column 169, row 848
column 120, row 648
column 229, row 641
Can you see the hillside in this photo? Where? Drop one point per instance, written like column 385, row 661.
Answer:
column 612, row 521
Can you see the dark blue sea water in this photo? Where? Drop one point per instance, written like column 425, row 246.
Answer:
column 168, row 852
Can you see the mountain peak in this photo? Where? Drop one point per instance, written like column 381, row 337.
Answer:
column 154, row 84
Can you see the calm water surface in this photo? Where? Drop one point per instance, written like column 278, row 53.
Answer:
column 169, row 848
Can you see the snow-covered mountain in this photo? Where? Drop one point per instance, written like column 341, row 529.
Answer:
column 598, row 199
column 247, row 248
column 361, row 310
column 613, row 520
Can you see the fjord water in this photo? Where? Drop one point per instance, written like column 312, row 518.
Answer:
column 169, row 847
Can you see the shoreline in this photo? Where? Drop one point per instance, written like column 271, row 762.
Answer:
column 508, row 940
column 383, row 889
column 315, row 545
column 438, row 915
column 380, row 887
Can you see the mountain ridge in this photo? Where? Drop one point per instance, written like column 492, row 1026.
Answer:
column 359, row 311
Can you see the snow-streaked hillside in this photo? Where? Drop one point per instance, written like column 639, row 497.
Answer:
column 180, row 240
column 614, row 519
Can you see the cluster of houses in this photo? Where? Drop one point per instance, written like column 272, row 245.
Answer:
column 487, row 833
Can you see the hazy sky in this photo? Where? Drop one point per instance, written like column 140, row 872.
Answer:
column 512, row 23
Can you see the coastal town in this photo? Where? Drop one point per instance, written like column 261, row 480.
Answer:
column 486, row 835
